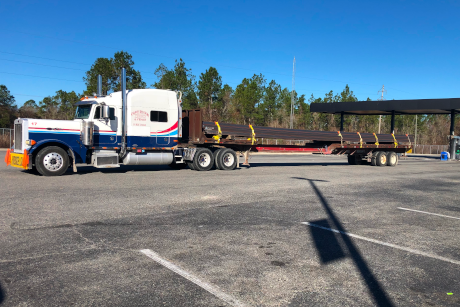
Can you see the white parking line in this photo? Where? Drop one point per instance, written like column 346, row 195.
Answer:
column 208, row 287
column 451, row 217
column 410, row 250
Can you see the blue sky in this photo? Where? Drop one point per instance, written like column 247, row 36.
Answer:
column 412, row 47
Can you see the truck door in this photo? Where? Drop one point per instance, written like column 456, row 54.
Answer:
column 105, row 130
column 160, row 127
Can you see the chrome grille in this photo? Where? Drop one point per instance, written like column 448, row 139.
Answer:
column 18, row 136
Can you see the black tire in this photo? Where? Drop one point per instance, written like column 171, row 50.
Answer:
column 52, row 161
column 381, row 158
column 190, row 165
column 203, row 159
column 226, row 159
column 33, row 171
column 217, row 158
column 392, row 159
column 374, row 158
column 358, row 159
column 351, row 160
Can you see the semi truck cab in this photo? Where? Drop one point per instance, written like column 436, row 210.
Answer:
column 102, row 134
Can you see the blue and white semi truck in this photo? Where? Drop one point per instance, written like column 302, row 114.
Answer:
column 129, row 127
column 149, row 127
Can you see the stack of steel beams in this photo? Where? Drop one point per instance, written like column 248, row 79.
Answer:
column 296, row 134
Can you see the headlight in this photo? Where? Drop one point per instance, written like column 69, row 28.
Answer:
column 30, row 142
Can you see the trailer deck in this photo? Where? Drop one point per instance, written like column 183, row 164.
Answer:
column 245, row 138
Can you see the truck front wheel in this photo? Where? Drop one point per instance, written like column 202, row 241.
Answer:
column 203, row 160
column 52, row 161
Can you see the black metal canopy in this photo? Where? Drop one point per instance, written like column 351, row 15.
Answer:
column 388, row 107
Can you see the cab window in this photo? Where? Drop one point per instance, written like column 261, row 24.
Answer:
column 97, row 114
column 83, row 111
column 159, row 116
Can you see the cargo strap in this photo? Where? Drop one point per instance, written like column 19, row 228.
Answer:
column 396, row 143
column 253, row 135
column 376, row 139
column 219, row 135
column 341, row 138
column 360, row 140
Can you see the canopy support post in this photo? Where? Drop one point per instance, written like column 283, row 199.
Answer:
column 452, row 134
column 392, row 122
column 341, row 121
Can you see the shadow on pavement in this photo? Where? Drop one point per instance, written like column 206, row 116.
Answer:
column 376, row 290
column 265, row 164
column 437, row 157
column 2, row 294
column 326, row 242
column 88, row 169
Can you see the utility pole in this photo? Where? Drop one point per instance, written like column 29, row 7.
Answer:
column 291, row 125
column 382, row 90
column 415, row 140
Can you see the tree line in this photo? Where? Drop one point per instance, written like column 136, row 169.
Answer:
column 254, row 101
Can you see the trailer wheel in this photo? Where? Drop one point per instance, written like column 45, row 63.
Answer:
column 374, row 158
column 381, row 158
column 392, row 159
column 217, row 153
column 226, row 159
column 52, row 161
column 203, row 160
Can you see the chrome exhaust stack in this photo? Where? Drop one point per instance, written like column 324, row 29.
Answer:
column 123, row 113
column 99, row 85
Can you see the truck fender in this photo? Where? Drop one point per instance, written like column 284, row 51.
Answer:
column 42, row 142
column 188, row 154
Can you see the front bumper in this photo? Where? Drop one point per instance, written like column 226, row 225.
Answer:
column 18, row 160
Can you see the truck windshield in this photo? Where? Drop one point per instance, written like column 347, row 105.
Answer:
column 83, row 111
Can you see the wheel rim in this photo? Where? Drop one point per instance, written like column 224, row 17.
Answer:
column 228, row 159
column 204, row 159
column 53, row 161
column 383, row 159
column 393, row 159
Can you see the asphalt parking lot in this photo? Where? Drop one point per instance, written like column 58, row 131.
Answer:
column 291, row 230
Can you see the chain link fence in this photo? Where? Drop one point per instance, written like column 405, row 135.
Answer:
column 430, row 149
column 6, row 137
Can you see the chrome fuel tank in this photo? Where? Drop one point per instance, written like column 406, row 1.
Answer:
column 150, row 158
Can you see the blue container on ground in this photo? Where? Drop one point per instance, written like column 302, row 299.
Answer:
column 444, row 156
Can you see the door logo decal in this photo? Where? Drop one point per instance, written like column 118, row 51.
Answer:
column 139, row 118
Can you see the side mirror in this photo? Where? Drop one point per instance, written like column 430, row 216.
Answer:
column 105, row 112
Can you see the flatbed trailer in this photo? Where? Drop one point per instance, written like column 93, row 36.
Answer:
column 377, row 149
